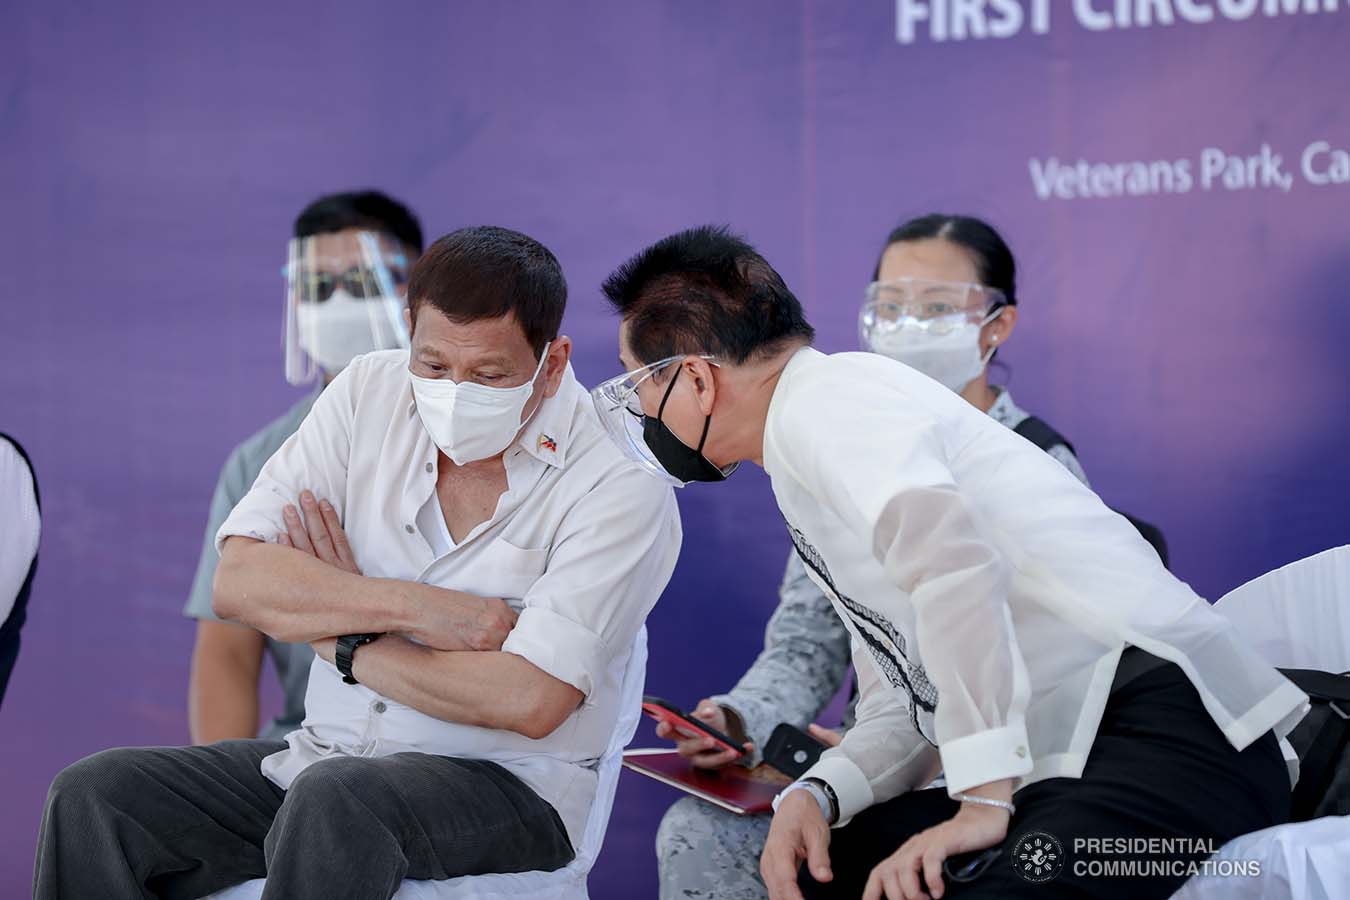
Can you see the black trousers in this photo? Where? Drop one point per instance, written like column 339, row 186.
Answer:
column 1159, row 768
column 180, row 823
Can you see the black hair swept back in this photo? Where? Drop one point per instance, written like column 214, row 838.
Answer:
column 487, row 272
column 993, row 259
column 705, row 290
column 368, row 210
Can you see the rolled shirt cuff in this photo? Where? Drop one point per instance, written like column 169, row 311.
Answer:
column 555, row 644
column 986, row 756
column 259, row 526
column 851, row 787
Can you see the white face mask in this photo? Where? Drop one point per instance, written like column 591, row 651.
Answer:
column 471, row 421
column 335, row 332
column 952, row 359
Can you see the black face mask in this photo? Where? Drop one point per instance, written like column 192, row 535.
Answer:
column 676, row 457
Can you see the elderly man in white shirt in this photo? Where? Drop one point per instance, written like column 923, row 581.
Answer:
column 1005, row 624
column 471, row 558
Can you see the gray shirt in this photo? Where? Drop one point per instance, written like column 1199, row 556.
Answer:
column 806, row 646
column 240, row 471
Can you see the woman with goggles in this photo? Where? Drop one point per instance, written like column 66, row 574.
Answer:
column 943, row 300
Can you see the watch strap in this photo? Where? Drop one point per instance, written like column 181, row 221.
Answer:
column 820, row 791
column 346, row 654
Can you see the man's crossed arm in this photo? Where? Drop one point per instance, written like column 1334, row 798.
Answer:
column 317, row 593
column 307, row 587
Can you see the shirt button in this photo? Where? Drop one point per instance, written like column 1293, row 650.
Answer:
column 379, row 706
column 430, row 468
column 1021, row 752
column 408, row 528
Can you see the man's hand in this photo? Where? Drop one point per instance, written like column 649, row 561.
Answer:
column 799, row 832
column 699, row 750
column 318, row 533
column 446, row 620
column 459, row 621
column 827, row 736
column 326, row 649
column 897, row 876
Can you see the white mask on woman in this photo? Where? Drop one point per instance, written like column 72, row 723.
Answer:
column 952, row 359
column 468, row 421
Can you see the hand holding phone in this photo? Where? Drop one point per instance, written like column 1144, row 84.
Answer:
column 792, row 751
column 699, row 736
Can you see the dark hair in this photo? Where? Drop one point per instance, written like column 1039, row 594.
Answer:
column 993, row 260
column 370, row 210
column 704, row 290
column 486, row 272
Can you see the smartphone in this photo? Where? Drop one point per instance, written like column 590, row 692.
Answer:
column 687, row 725
column 791, row 750
column 967, row 867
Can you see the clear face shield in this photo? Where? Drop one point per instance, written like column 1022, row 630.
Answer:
column 345, row 296
column 618, row 402
column 931, row 326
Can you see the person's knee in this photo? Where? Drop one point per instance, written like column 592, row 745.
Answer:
column 324, row 807
column 685, row 825
column 336, row 781
column 93, row 778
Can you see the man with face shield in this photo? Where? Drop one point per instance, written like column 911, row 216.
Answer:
column 943, row 297
column 346, row 278
column 471, row 559
column 1005, row 625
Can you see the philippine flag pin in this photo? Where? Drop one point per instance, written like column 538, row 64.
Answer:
column 548, row 443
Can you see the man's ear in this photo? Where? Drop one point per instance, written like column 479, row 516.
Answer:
column 559, row 353
column 407, row 319
column 700, row 374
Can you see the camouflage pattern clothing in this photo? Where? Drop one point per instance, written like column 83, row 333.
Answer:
column 703, row 850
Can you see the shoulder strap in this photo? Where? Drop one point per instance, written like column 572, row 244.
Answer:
column 1040, row 433
column 1325, row 686
column 1322, row 754
column 28, row 462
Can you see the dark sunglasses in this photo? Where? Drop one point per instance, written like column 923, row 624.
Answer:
column 359, row 282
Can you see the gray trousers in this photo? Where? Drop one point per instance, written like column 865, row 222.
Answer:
column 182, row 822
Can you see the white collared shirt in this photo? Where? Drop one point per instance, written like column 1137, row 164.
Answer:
column 987, row 592
column 581, row 543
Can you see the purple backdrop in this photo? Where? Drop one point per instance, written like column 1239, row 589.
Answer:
column 152, row 157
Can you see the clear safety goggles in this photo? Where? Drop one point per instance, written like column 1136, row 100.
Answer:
column 618, row 402
column 345, row 295
column 936, row 307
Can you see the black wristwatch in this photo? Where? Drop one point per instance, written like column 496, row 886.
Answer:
column 346, row 650
column 833, row 815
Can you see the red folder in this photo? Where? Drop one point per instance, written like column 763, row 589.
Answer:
column 746, row 792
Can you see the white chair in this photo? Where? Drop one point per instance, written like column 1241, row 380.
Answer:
column 1297, row 617
column 567, row 883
